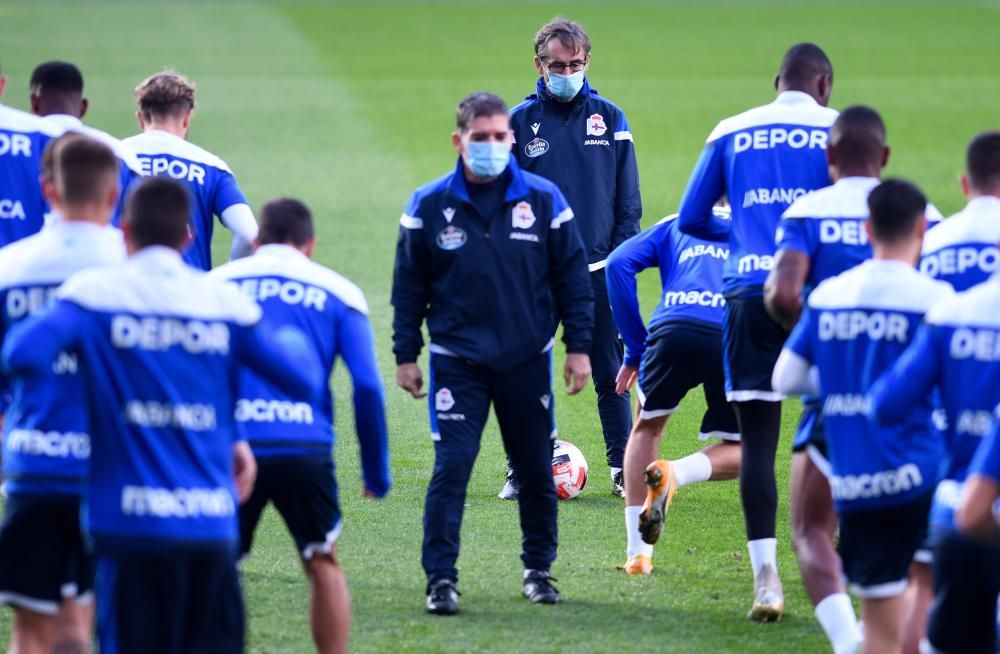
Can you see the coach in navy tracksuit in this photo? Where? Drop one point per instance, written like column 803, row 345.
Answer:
column 490, row 255
column 569, row 134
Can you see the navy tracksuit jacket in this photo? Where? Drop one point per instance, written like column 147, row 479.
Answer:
column 492, row 289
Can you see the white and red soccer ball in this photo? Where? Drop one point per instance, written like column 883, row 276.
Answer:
column 569, row 470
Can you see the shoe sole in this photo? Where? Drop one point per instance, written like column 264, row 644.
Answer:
column 660, row 491
column 554, row 600
column 442, row 612
column 766, row 613
column 638, row 571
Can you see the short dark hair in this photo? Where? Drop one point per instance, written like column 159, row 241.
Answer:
column 286, row 220
column 157, row 213
column 570, row 34
column 476, row 105
column 82, row 168
column 858, row 136
column 894, row 208
column 167, row 93
column 59, row 76
column 804, row 62
column 982, row 161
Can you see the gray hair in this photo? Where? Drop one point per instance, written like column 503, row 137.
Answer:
column 570, row 33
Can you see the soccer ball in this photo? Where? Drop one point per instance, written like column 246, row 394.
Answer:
column 569, row 470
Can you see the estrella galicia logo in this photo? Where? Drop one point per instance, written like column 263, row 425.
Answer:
column 536, row 148
column 451, row 238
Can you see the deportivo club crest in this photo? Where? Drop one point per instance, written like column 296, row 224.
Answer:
column 522, row 215
column 443, row 400
column 596, row 126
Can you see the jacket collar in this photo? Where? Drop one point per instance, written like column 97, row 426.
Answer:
column 516, row 188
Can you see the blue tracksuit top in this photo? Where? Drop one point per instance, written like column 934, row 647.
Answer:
column 585, row 146
column 492, row 288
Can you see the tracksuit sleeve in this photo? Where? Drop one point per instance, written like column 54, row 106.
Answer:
column 284, row 357
column 634, row 255
column 706, row 186
column 911, row 379
column 628, row 201
column 356, row 346
column 411, row 286
column 569, row 278
column 34, row 343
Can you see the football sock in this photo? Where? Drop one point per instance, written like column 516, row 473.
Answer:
column 692, row 469
column 635, row 543
column 836, row 615
column 762, row 552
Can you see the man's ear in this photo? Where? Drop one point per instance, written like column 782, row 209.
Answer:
column 966, row 185
column 886, row 151
column 84, row 105
column 539, row 66
column 456, row 141
column 141, row 120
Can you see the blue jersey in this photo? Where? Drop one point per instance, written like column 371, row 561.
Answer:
column 211, row 183
column 160, row 350
column 763, row 159
column 23, row 138
column 854, row 327
column 46, row 439
column 333, row 313
column 962, row 250
column 128, row 166
column 957, row 355
column 690, row 276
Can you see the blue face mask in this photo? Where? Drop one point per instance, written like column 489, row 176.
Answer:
column 565, row 87
column 487, row 159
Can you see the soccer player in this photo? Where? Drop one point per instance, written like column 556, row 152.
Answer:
column 45, row 572
column 681, row 349
column 160, row 349
column 820, row 236
column 582, row 141
column 166, row 106
column 22, row 140
column 293, row 441
column 491, row 256
column 763, row 159
column 881, row 478
column 963, row 249
column 56, row 94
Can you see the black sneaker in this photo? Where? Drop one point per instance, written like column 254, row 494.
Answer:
column 539, row 589
column 442, row 597
column 511, row 486
column 618, row 484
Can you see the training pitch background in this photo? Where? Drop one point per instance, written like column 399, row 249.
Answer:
column 349, row 107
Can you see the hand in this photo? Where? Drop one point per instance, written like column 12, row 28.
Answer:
column 245, row 470
column 626, row 378
column 577, row 372
column 410, row 379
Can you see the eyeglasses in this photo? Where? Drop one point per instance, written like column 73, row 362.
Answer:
column 559, row 67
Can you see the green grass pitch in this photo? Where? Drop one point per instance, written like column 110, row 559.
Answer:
column 349, row 107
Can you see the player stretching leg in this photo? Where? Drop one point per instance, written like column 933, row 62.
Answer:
column 682, row 349
column 856, row 325
column 820, row 236
column 762, row 160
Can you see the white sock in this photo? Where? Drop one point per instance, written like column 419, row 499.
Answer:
column 762, row 552
column 836, row 615
column 692, row 469
column 615, row 471
column 635, row 543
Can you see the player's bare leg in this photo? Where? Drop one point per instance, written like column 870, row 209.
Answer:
column 919, row 596
column 329, row 603
column 32, row 632
column 814, row 524
column 883, row 625
column 642, row 448
column 73, row 627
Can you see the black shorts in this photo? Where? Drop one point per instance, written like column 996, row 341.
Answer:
column 752, row 341
column 170, row 602
column 43, row 559
column 680, row 356
column 877, row 546
column 304, row 491
column 963, row 616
